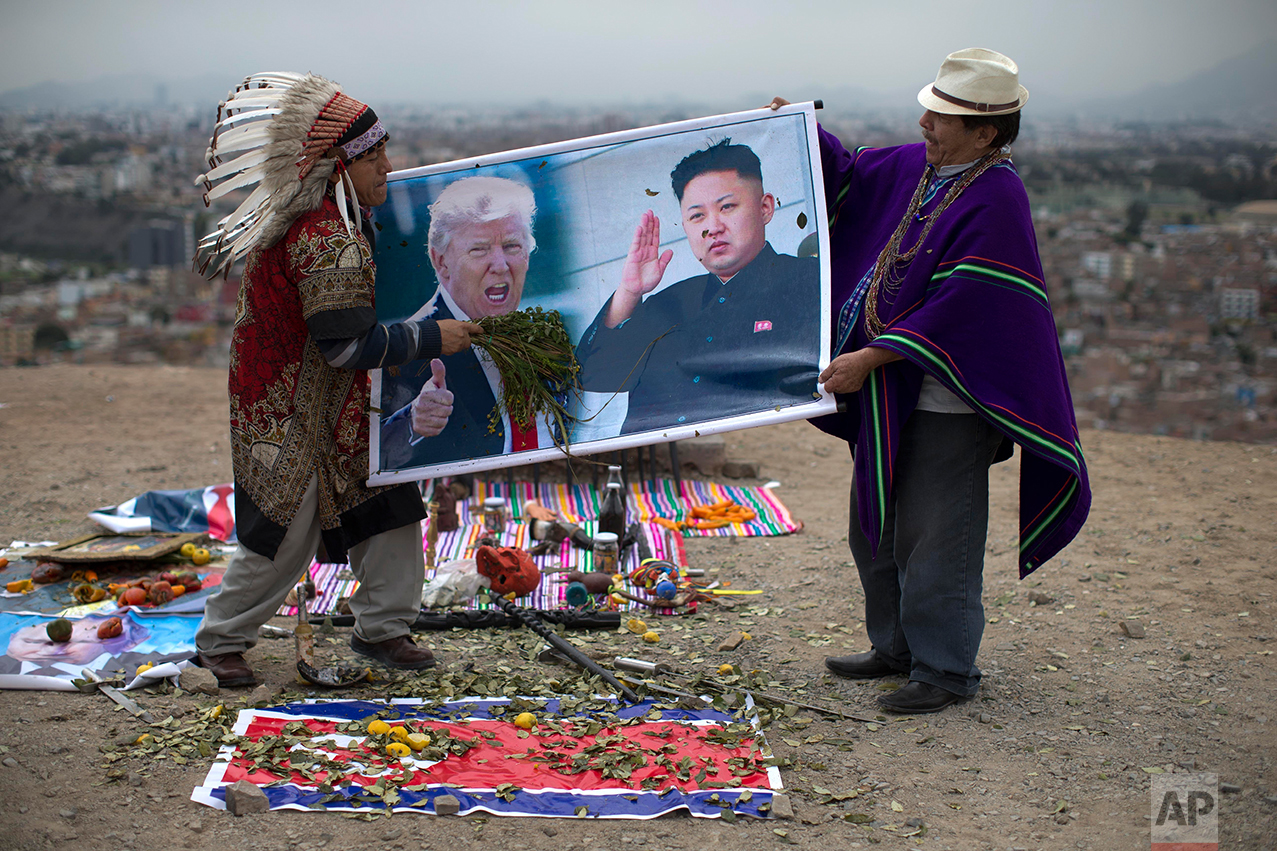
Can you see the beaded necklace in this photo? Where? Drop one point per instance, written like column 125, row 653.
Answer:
column 888, row 273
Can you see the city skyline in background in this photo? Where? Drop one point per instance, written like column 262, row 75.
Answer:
column 1074, row 56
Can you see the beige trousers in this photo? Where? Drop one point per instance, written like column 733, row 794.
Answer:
column 390, row 568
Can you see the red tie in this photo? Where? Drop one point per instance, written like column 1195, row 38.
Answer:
column 523, row 439
column 221, row 522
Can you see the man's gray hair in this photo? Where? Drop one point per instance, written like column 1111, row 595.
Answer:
column 472, row 200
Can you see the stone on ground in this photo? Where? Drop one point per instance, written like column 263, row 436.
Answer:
column 243, row 798
column 447, row 805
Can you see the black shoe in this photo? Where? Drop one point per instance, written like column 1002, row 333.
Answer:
column 398, row 652
column 918, row 698
column 860, row 666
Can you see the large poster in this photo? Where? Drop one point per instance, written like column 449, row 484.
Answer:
column 688, row 261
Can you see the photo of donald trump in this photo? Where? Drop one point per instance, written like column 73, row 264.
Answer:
column 480, row 243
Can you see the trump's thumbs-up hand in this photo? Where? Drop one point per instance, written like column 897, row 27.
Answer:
column 433, row 405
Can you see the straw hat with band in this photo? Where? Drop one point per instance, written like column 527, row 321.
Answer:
column 975, row 81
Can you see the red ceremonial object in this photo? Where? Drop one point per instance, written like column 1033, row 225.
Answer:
column 511, row 570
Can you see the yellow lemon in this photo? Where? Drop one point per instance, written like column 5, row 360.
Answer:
column 636, row 626
column 525, row 720
column 187, row 550
column 398, row 749
column 141, row 669
column 378, row 727
column 417, row 741
column 746, row 636
column 651, row 637
column 724, row 670
column 201, row 556
column 399, row 733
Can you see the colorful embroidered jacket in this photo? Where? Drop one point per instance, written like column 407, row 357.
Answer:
column 294, row 416
column 972, row 311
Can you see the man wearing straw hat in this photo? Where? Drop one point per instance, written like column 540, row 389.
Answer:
column 945, row 355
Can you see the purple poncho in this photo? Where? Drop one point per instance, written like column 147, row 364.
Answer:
column 972, row 311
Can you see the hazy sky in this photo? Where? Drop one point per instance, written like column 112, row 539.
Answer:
column 642, row 50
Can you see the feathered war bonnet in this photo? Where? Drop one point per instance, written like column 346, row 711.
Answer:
column 288, row 134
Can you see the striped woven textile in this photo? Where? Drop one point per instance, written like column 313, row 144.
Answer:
column 578, row 504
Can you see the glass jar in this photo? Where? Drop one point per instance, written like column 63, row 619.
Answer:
column 607, row 553
column 494, row 514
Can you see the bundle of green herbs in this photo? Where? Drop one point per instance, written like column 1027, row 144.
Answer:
column 537, row 361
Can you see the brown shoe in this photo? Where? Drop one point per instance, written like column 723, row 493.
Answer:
column 398, row 652
column 230, row 669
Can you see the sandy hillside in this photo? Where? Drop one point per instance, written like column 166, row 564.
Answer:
column 1056, row 752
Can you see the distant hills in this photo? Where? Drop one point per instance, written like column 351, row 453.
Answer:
column 1243, row 87
column 116, row 92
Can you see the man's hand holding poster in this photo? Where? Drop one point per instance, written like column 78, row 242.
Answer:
column 687, row 261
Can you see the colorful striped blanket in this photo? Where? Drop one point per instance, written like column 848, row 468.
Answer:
column 578, row 504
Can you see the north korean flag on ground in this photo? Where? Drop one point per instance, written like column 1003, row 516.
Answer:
column 592, row 759
column 209, row 509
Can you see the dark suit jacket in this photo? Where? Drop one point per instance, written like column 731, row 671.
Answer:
column 466, row 435
column 701, row 349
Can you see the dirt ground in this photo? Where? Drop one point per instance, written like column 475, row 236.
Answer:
column 1073, row 719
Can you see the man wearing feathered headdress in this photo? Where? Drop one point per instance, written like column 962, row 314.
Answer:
column 305, row 333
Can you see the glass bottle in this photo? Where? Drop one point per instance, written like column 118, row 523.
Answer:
column 304, row 633
column 612, row 511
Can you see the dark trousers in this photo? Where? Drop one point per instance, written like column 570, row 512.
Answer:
column 922, row 591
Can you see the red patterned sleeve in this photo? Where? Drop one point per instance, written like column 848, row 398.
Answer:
column 334, row 274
